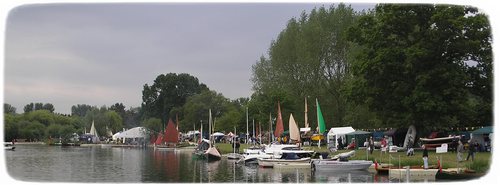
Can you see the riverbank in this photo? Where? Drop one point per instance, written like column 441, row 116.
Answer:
column 481, row 163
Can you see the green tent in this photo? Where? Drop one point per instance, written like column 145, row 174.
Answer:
column 484, row 130
column 360, row 137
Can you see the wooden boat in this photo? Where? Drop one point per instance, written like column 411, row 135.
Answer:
column 452, row 175
column 213, row 154
column 412, row 173
column 234, row 156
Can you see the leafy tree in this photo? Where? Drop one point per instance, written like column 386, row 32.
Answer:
column 113, row 121
column 48, row 106
column 168, row 91
column 80, row 109
column 33, row 131
column 29, row 107
column 53, row 131
column 41, row 116
column 132, row 117
column 414, row 66
column 153, row 124
column 197, row 106
column 11, row 127
column 310, row 58
column 8, row 109
column 118, row 108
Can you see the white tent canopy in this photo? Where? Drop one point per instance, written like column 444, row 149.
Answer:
column 217, row 134
column 337, row 132
column 136, row 132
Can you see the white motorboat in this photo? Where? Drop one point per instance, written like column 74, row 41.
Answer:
column 9, row 147
column 340, row 162
column 286, row 159
column 339, row 165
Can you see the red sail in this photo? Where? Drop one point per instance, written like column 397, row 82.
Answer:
column 159, row 139
column 171, row 133
column 279, row 124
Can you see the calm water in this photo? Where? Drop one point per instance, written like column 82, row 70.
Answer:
column 98, row 164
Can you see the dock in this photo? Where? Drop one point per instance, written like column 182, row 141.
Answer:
column 413, row 174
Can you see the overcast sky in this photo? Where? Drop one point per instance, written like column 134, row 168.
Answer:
column 101, row 54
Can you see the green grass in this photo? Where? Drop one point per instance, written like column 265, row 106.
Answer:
column 480, row 164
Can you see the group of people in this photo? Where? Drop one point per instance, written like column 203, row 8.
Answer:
column 470, row 147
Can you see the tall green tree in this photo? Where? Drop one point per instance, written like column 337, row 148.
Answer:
column 8, row 109
column 168, row 91
column 310, row 58
column 197, row 106
column 414, row 66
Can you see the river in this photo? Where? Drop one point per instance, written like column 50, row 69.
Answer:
column 42, row 163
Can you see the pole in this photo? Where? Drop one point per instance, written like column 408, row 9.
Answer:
column 253, row 128
column 270, row 128
column 247, row 127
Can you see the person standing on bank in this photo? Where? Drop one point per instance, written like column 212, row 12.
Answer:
column 460, row 149
column 425, row 157
column 472, row 149
column 371, row 145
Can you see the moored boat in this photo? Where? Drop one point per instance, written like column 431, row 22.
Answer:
column 286, row 159
column 9, row 147
column 339, row 165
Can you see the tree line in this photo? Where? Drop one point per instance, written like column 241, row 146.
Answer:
column 393, row 66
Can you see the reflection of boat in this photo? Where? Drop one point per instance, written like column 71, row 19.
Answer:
column 340, row 162
column 343, row 176
column 453, row 175
column 413, row 173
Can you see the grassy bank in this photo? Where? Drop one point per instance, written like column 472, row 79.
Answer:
column 480, row 164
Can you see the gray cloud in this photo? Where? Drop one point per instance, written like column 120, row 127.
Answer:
column 100, row 54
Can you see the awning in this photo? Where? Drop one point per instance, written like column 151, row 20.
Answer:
column 136, row 132
column 340, row 130
column 484, row 130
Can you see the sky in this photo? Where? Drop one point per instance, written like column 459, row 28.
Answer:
column 102, row 54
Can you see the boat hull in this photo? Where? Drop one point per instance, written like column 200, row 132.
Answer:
column 269, row 163
column 335, row 165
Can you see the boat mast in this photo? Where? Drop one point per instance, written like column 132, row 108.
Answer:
column 210, row 128
column 247, row 127
column 270, row 128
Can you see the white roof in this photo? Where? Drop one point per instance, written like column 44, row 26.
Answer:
column 305, row 129
column 217, row 134
column 136, row 132
column 340, row 130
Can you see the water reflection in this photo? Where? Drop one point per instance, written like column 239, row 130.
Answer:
column 96, row 164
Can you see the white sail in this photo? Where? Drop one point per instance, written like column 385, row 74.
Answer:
column 294, row 129
column 93, row 131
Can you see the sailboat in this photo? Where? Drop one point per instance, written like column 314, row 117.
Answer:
column 212, row 153
column 289, row 155
column 321, row 126
column 171, row 137
column 234, row 155
column 93, row 132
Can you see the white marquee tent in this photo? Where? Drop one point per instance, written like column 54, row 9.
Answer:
column 337, row 132
column 136, row 132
